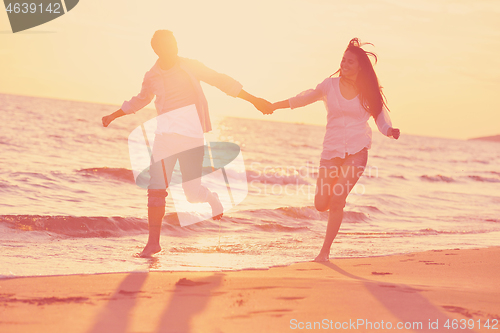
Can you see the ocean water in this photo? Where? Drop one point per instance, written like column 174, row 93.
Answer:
column 69, row 203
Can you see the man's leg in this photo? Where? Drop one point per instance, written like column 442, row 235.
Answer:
column 160, row 173
column 191, row 165
column 155, row 217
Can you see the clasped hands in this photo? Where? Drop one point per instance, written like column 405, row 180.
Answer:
column 264, row 106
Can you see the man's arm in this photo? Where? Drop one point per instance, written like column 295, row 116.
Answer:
column 135, row 104
column 106, row 120
column 260, row 104
column 226, row 84
column 221, row 81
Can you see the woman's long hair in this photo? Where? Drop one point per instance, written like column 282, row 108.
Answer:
column 370, row 92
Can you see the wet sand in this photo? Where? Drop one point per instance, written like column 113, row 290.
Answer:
column 414, row 290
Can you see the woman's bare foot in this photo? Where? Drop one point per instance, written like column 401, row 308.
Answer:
column 322, row 257
column 149, row 250
column 217, row 209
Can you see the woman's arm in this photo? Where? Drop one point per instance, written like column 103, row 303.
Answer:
column 304, row 98
column 394, row 132
column 281, row 105
column 384, row 125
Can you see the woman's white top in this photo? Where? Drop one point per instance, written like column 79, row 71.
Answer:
column 347, row 129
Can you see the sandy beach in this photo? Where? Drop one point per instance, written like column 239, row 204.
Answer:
column 458, row 288
column 96, row 95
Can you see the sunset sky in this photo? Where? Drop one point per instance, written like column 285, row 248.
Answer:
column 439, row 60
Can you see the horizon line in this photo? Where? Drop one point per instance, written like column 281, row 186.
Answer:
column 225, row 116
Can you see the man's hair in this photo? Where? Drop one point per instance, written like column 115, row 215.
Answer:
column 163, row 38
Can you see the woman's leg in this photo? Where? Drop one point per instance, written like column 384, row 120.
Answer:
column 327, row 177
column 348, row 176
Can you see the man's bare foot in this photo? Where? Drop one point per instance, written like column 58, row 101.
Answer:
column 322, row 257
column 149, row 250
column 217, row 209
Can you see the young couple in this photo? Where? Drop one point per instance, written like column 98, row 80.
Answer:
column 350, row 100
